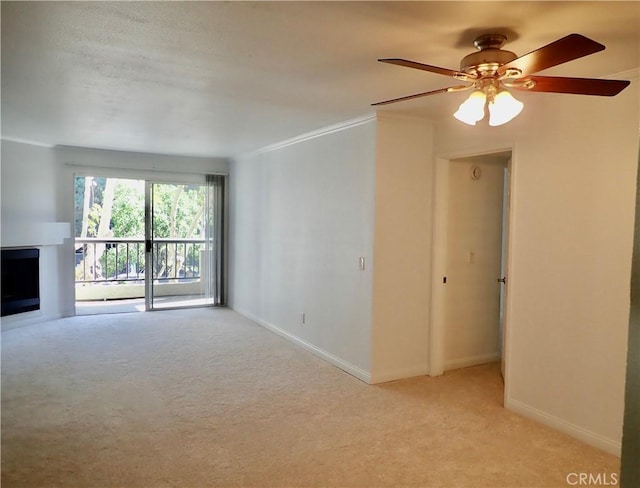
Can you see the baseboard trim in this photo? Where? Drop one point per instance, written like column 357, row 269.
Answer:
column 399, row 374
column 353, row 370
column 471, row 361
column 575, row 431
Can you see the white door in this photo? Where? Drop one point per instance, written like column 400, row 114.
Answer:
column 503, row 266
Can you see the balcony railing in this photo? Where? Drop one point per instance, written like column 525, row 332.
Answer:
column 121, row 260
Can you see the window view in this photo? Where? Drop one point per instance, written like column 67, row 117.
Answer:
column 111, row 245
column 109, row 232
column 179, row 248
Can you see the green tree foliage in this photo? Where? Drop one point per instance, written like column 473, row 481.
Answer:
column 178, row 213
column 79, row 204
column 127, row 218
column 95, row 197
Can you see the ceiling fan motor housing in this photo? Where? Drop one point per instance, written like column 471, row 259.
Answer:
column 489, row 57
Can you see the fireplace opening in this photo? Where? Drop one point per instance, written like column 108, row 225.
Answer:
column 20, row 281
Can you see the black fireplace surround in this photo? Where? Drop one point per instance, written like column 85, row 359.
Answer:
column 20, row 281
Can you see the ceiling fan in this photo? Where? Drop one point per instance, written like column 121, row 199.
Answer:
column 491, row 70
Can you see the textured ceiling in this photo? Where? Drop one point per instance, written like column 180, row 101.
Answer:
column 222, row 78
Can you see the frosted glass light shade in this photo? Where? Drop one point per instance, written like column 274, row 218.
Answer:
column 472, row 109
column 504, row 108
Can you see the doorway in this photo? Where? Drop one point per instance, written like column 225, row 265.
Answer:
column 469, row 291
column 148, row 245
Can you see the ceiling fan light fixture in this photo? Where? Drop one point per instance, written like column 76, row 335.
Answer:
column 472, row 109
column 491, row 69
column 503, row 108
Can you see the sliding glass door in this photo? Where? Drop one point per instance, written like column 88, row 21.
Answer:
column 184, row 244
column 144, row 244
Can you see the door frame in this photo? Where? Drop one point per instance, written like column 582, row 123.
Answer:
column 439, row 256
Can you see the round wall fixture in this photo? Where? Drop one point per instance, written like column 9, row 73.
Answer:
column 476, row 172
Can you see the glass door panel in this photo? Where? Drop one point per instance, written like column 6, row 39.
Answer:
column 177, row 246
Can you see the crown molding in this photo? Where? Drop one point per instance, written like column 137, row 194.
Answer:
column 330, row 129
column 26, row 141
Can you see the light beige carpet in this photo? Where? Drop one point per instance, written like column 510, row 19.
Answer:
column 207, row 398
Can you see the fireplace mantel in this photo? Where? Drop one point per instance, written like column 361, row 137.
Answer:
column 34, row 234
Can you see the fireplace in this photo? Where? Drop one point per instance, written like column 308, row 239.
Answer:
column 20, row 281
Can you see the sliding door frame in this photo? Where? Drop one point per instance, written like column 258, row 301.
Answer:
column 82, row 170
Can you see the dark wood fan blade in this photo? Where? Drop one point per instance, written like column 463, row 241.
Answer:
column 568, row 48
column 418, row 95
column 424, row 67
column 578, row 86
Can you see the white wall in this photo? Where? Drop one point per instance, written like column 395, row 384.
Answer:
column 29, row 197
column 402, row 248
column 474, row 244
column 301, row 216
column 27, row 190
column 37, row 186
column 574, row 167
